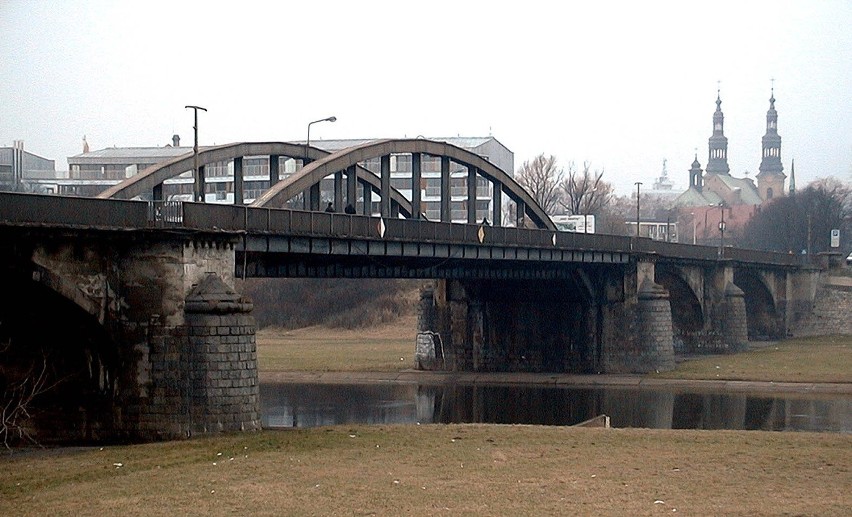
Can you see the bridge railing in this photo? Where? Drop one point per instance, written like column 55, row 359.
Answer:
column 269, row 220
column 692, row 251
column 165, row 213
column 42, row 210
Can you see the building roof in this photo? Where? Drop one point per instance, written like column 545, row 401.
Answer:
column 156, row 154
column 463, row 142
column 123, row 154
column 747, row 191
column 691, row 197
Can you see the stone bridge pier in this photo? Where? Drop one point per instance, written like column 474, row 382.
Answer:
column 612, row 319
column 163, row 346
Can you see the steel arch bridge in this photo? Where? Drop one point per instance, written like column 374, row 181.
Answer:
column 347, row 163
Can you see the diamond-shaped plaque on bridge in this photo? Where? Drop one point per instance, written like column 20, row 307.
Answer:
column 553, row 240
column 481, row 234
column 381, row 228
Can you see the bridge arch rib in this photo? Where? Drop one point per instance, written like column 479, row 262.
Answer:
column 383, row 149
column 152, row 178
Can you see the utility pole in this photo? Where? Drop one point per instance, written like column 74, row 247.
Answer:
column 638, row 183
column 809, row 235
column 199, row 178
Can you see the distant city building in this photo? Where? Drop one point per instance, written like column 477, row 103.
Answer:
column 658, row 230
column 22, row 171
column 663, row 183
column 92, row 172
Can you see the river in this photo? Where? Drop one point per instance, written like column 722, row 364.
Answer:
column 311, row 405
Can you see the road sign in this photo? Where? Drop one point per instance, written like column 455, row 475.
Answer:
column 835, row 238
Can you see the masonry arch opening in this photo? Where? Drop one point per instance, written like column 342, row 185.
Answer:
column 60, row 360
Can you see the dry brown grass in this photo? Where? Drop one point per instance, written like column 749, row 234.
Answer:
column 817, row 359
column 443, row 470
column 319, row 349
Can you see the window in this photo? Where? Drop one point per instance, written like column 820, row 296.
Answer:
column 401, row 163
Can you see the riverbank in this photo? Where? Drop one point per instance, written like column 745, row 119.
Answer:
column 547, row 379
column 385, row 354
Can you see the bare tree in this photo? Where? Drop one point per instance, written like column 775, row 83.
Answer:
column 584, row 192
column 18, row 393
column 612, row 216
column 541, row 178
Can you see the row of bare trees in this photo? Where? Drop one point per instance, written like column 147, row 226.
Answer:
column 802, row 223
column 564, row 190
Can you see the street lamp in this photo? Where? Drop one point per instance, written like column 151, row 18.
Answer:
column 199, row 181
column 669, row 225
column 722, row 230
column 308, row 141
column 694, row 228
column 638, row 183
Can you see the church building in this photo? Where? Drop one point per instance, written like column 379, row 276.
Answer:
column 715, row 199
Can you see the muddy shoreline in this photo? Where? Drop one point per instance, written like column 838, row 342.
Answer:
column 553, row 379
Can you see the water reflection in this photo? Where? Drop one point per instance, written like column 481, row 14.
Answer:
column 310, row 405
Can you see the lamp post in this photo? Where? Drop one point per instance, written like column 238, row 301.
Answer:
column 308, row 141
column 694, row 228
column 199, row 181
column 722, row 230
column 669, row 225
column 638, row 183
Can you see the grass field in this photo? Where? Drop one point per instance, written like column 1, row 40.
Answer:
column 320, row 349
column 442, row 470
column 817, row 359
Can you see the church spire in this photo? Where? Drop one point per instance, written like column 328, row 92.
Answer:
column 793, row 177
column 770, row 179
column 717, row 162
column 696, row 181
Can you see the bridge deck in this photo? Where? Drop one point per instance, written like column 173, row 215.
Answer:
column 280, row 238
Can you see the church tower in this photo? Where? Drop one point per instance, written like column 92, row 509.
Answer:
column 770, row 179
column 717, row 162
column 696, row 181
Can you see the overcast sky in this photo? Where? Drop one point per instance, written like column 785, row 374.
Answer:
column 623, row 85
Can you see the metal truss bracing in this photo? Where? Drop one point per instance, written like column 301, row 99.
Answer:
column 152, row 178
column 341, row 160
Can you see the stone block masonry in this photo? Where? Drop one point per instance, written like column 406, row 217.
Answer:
column 203, row 374
column 223, row 388
column 831, row 310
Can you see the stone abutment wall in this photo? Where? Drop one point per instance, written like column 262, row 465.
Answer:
column 184, row 340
